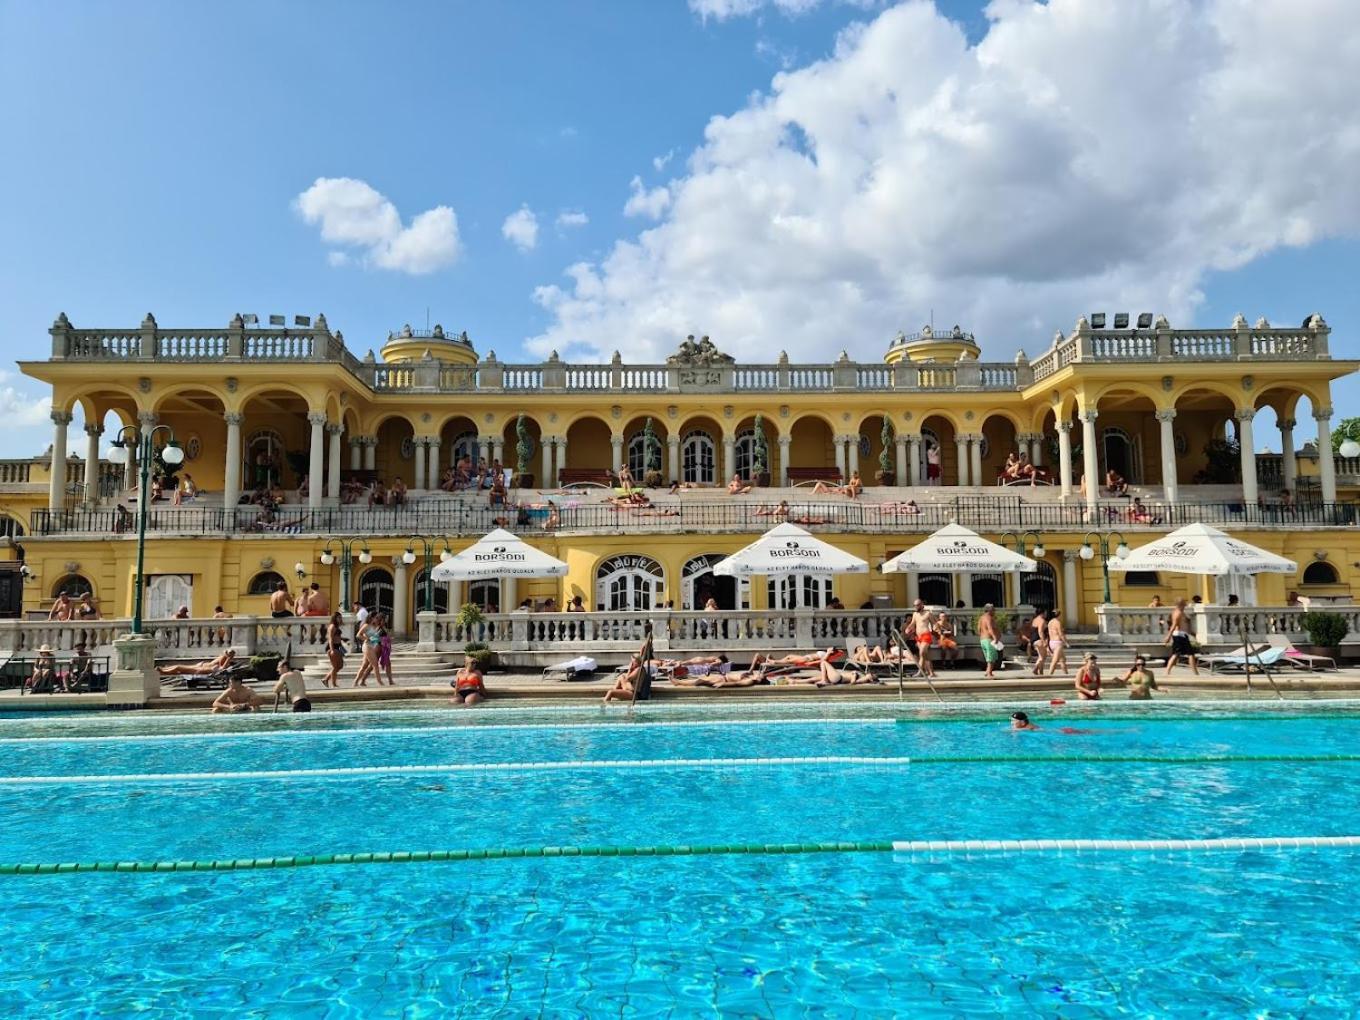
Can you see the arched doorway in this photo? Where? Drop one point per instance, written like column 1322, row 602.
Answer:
column 798, row 591
column 165, row 593
column 439, row 590
column 698, row 460
column 375, row 591
column 73, row 585
column 988, row 589
column 698, row 584
column 936, row 589
column 629, row 583
column 264, row 459
column 1039, row 588
column 485, row 594
column 1120, row 453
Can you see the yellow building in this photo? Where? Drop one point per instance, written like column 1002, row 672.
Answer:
column 931, row 423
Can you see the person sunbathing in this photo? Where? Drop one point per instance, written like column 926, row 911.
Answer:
column 868, row 655
column 909, row 508
column 736, row 487
column 1011, row 472
column 694, row 660
column 626, row 684
column 204, row 668
column 237, row 698
column 803, row 659
column 780, row 513
column 745, row 678
column 633, row 498
column 831, row 676
column 1115, row 484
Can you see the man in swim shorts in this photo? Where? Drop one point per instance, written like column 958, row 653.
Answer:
column 1178, row 637
column 989, row 636
column 923, row 625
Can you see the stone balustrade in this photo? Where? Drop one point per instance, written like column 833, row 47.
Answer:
column 175, row 639
column 316, row 343
column 1216, row 625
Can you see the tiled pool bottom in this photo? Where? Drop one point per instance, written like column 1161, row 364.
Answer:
column 1224, row 933
column 1228, row 935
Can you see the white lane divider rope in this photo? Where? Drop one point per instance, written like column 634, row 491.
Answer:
column 954, row 846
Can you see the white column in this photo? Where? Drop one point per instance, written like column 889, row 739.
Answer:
column 1036, row 449
column 56, row 495
column 1012, row 588
column 453, row 595
column 961, row 455
column 1247, row 447
column 1289, row 465
column 616, row 454
column 913, row 587
column 901, row 453
column 333, row 464
column 316, row 467
column 92, row 434
column 1069, row 585
column 370, row 453
column 399, row 597
column 1169, row 482
column 148, row 420
column 785, row 442
column 729, row 461
column 509, row 594
column 1326, row 459
column 231, row 488
column 1065, row 457
column 488, row 449
column 977, row 460
column 356, row 453
column 1090, row 463
column 433, row 472
column 914, row 459
column 673, row 457
column 853, row 443
column 498, row 450
column 963, row 587
column 130, row 468
column 418, row 445
column 547, row 481
column 561, row 455
column 839, row 442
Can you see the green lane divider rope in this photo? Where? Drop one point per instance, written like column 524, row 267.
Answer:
column 945, row 846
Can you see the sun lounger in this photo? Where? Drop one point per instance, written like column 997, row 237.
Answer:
column 1298, row 659
column 572, row 669
column 1260, row 656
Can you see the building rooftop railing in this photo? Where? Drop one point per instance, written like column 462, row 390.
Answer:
column 150, row 344
column 457, row 519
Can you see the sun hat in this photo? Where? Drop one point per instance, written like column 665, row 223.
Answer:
column 44, row 647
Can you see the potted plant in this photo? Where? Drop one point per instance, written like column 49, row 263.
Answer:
column 524, row 451
column 760, row 454
column 885, row 475
column 651, row 456
column 1326, row 631
column 469, row 620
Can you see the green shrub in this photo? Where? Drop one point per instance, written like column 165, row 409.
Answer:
column 483, row 656
column 1326, row 630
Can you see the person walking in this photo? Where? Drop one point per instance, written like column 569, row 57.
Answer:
column 1039, row 641
column 1178, row 637
column 1057, row 644
column 989, row 636
column 335, row 650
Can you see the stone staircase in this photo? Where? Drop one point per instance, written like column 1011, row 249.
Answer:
column 410, row 668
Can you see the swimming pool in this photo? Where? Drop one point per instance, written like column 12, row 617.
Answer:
column 866, row 931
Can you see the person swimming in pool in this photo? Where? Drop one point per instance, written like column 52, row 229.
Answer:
column 1021, row 721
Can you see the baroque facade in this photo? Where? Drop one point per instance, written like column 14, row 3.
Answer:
column 1173, row 411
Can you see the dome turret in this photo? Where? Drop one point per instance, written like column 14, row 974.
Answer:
column 413, row 344
column 928, row 345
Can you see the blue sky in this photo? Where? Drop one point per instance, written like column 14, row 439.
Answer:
column 158, row 153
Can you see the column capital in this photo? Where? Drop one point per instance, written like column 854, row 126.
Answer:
column 315, row 418
column 1245, row 413
column 1090, row 415
column 61, row 417
column 1322, row 414
column 420, row 440
column 94, row 430
column 784, row 440
column 672, row 440
column 615, row 439
column 433, row 440
column 900, row 439
column 1286, row 424
column 334, row 428
column 1167, row 414
column 146, row 417
column 1064, row 426
column 1070, row 555
column 235, row 418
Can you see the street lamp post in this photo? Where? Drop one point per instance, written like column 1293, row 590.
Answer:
column 1103, row 539
column 409, row 556
column 1023, row 540
column 171, row 454
column 346, row 563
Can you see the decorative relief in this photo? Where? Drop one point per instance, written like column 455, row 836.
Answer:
column 266, row 563
column 845, row 416
column 552, row 416
column 700, row 377
column 727, row 410
column 72, row 567
column 783, row 410
column 1248, row 381
column 232, row 384
column 968, row 415
column 1167, row 383
column 616, row 412
column 144, row 384
column 425, row 418
column 672, row 411
column 490, row 418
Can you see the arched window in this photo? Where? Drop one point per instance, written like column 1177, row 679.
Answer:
column 439, row 590
column 629, row 583
column 465, row 444
column 264, row 459
column 375, row 591
column 11, row 528
column 697, row 463
column 929, row 439
column 988, row 588
column 637, row 455
column 744, row 453
column 698, row 584
column 1120, row 453
column 798, row 591
column 936, row 589
column 1039, row 588
column 74, row 585
column 1320, row 573
column 486, row 594
column 264, row 583
column 1142, row 579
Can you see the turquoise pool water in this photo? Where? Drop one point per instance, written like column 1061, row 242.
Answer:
column 872, row 934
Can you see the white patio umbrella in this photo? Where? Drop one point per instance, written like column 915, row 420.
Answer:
column 1200, row 549
column 955, row 547
column 498, row 554
column 788, row 549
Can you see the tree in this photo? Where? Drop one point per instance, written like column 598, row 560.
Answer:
column 760, row 452
column 1348, row 429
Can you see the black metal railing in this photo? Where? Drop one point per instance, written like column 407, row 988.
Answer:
column 986, row 513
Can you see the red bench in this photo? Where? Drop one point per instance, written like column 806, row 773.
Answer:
column 802, row 476
column 585, row 476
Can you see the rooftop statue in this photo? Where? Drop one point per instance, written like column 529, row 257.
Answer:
column 702, row 354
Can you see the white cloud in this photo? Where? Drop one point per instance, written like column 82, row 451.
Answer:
column 521, row 229
column 572, row 218
column 19, row 409
column 352, row 213
column 646, row 203
column 721, row 10
column 659, row 163
column 1010, row 185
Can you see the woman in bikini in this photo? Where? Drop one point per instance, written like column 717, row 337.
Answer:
column 335, row 650
column 1088, row 678
column 1057, row 644
column 369, row 640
